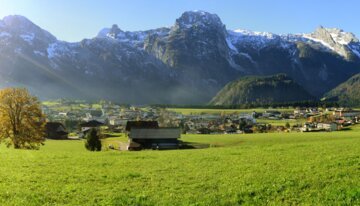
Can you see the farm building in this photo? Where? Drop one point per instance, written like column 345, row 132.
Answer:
column 328, row 126
column 55, row 130
column 147, row 135
column 85, row 127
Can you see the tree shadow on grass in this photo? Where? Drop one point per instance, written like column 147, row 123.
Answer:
column 194, row 145
column 346, row 129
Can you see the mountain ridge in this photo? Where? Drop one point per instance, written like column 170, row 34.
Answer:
column 277, row 88
column 347, row 93
column 186, row 63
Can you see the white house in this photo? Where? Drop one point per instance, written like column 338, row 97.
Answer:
column 328, row 126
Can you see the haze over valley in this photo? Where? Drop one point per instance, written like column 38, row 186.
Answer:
column 186, row 63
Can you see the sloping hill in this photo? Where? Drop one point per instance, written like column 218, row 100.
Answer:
column 263, row 90
column 347, row 93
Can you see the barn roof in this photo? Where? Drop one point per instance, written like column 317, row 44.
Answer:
column 155, row 133
column 53, row 126
column 56, row 127
column 141, row 125
column 92, row 123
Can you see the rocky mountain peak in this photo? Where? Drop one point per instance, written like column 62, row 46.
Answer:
column 198, row 19
column 17, row 21
column 323, row 34
column 22, row 26
column 334, row 36
column 343, row 43
column 114, row 31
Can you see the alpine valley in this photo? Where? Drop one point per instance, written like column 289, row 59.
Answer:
column 187, row 63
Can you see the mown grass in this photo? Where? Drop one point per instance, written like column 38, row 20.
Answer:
column 188, row 111
column 58, row 106
column 256, row 169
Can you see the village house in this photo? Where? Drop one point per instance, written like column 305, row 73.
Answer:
column 272, row 114
column 85, row 127
column 328, row 126
column 320, row 126
column 308, row 127
column 249, row 119
column 55, row 130
column 116, row 121
column 300, row 111
column 348, row 114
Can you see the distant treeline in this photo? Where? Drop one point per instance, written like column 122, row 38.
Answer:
column 322, row 104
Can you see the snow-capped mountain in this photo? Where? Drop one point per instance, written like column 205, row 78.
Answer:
column 185, row 63
column 336, row 40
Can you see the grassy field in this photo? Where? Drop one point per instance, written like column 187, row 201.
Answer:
column 188, row 111
column 254, row 169
column 58, row 106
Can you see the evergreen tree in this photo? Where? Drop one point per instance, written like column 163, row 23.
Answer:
column 93, row 142
column 287, row 125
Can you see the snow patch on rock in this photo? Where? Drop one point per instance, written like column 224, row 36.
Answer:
column 231, row 46
column 18, row 51
column 5, row 35
column 247, row 56
column 59, row 49
column 357, row 53
column 307, row 36
column 29, row 37
column 39, row 53
column 323, row 74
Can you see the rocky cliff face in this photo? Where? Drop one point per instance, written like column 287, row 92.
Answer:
column 336, row 40
column 187, row 63
column 196, row 47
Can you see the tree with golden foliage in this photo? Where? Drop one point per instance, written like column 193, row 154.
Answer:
column 22, row 123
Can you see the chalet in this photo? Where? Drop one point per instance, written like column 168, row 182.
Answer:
column 64, row 114
column 312, row 110
column 55, row 130
column 317, row 127
column 97, row 115
column 272, row 114
column 115, row 121
column 85, row 127
column 349, row 114
column 249, row 119
column 300, row 111
column 148, row 135
column 309, row 127
column 190, row 125
column 328, row 126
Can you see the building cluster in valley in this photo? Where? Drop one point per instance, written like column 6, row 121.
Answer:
column 77, row 118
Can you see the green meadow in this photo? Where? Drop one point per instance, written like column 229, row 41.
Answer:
column 250, row 169
column 188, row 111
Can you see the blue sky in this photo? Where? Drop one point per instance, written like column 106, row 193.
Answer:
column 73, row 20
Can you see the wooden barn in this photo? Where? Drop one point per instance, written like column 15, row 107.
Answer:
column 55, row 130
column 86, row 126
column 147, row 135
